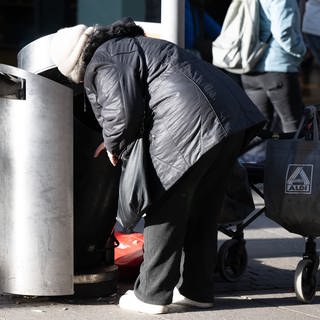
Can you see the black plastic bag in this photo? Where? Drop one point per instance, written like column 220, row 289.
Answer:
column 238, row 202
column 134, row 188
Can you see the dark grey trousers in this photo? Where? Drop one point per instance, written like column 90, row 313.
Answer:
column 186, row 220
column 276, row 93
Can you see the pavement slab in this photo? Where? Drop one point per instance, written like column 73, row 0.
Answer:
column 265, row 290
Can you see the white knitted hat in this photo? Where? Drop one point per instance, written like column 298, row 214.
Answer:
column 66, row 48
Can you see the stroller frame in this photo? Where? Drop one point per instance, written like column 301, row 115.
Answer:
column 232, row 254
column 233, row 257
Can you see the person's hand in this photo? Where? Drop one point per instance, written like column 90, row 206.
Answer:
column 113, row 158
column 100, row 148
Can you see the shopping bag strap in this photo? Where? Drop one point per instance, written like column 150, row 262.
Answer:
column 310, row 111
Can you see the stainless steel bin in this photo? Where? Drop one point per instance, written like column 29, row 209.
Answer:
column 36, row 187
column 95, row 183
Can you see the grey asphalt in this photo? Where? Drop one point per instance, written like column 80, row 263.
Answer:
column 265, row 291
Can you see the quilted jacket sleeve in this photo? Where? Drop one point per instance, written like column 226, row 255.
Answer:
column 118, row 102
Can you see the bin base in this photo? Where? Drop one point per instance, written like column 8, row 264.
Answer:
column 100, row 282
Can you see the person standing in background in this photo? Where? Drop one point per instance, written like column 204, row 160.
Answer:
column 311, row 26
column 200, row 29
column 218, row 9
column 273, row 85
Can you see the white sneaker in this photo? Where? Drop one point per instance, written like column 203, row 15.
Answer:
column 178, row 298
column 129, row 301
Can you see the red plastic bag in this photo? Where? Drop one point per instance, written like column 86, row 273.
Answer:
column 128, row 255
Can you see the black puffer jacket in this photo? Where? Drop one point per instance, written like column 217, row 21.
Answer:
column 192, row 105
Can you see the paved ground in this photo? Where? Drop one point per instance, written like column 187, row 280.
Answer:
column 266, row 290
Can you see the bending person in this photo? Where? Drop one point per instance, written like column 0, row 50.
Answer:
column 198, row 121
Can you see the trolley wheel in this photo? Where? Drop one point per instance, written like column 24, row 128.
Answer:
column 305, row 281
column 232, row 259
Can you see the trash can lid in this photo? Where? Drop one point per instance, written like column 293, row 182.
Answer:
column 35, row 57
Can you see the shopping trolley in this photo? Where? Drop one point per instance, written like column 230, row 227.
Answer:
column 232, row 254
column 292, row 194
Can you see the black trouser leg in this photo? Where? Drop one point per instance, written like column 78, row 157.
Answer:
column 164, row 232
column 186, row 218
column 200, row 244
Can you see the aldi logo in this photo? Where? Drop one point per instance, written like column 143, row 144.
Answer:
column 299, row 179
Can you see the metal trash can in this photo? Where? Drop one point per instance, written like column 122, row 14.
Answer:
column 36, row 197
column 95, row 183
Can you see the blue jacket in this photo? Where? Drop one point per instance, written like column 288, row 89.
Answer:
column 210, row 26
column 286, row 49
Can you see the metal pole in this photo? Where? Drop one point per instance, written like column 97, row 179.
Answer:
column 172, row 21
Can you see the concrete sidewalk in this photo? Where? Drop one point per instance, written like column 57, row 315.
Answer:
column 266, row 290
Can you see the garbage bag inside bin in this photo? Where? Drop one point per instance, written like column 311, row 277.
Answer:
column 95, row 198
